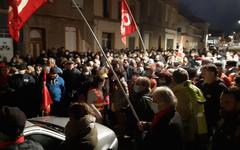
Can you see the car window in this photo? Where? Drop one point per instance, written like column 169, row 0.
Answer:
column 48, row 142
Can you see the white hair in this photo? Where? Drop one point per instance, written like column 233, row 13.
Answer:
column 165, row 94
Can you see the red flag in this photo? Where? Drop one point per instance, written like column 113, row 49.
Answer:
column 46, row 99
column 19, row 12
column 128, row 24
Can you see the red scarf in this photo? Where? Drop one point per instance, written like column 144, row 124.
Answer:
column 159, row 116
column 4, row 144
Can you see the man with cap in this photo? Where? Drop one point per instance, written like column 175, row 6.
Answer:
column 56, row 86
column 11, row 128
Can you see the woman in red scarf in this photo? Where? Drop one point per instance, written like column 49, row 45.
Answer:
column 165, row 130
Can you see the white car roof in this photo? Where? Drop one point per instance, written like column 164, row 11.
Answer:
column 62, row 121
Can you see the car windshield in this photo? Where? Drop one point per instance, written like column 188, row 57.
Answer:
column 48, row 126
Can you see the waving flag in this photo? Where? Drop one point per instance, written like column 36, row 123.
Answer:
column 128, row 24
column 46, row 97
column 19, row 12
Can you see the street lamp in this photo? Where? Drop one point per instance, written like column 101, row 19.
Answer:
column 238, row 21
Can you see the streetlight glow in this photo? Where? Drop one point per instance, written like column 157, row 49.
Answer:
column 238, row 21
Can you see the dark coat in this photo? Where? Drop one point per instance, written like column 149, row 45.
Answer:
column 227, row 135
column 212, row 93
column 72, row 82
column 26, row 145
column 22, row 93
column 141, row 103
column 165, row 132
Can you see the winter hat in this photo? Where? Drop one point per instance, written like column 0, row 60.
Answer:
column 54, row 70
column 12, row 121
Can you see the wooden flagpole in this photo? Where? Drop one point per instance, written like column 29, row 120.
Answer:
column 108, row 63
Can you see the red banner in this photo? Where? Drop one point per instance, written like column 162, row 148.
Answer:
column 128, row 24
column 46, row 97
column 19, row 12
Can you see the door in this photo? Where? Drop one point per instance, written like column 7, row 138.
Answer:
column 146, row 40
column 36, row 47
column 169, row 43
column 37, row 41
column 107, row 40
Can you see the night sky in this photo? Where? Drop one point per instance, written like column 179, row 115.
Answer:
column 221, row 14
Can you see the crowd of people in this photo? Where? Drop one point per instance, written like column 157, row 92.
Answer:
column 187, row 100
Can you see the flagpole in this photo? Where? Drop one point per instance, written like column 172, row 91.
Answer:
column 140, row 36
column 109, row 65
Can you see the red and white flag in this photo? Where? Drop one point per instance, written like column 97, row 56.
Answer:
column 19, row 12
column 128, row 24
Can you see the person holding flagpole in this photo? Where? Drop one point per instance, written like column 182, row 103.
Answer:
column 108, row 63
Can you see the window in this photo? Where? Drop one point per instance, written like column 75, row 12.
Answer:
column 4, row 32
column 131, row 43
column 6, row 48
column 35, row 34
column 106, row 11
column 179, row 30
column 71, row 38
column 133, row 10
column 159, row 11
column 159, row 42
column 79, row 3
column 167, row 13
column 148, row 7
column 47, row 142
column 107, row 40
column 119, row 10
column 3, row 4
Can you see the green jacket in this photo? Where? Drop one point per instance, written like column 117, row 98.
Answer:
column 191, row 107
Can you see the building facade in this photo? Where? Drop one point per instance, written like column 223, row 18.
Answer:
column 192, row 33
column 59, row 24
column 107, row 21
